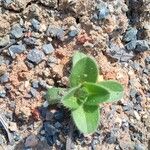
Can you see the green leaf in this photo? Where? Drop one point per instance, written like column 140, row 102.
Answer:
column 97, row 94
column 115, row 89
column 77, row 56
column 86, row 118
column 84, row 70
column 70, row 100
column 54, row 95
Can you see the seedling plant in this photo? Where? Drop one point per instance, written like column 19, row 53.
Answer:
column 85, row 93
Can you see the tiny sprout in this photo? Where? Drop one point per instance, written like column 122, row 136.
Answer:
column 85, row 93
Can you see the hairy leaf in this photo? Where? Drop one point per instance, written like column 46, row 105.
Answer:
column 86, row 118
column 115, row 89
column 54, row 95
column 70, row 100
column 84, row 70
column 76, row 57
column 97, row 94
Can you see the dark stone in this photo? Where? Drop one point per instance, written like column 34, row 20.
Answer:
column 17, row 31
column 9, row 115
column 43, row 111
column 8, row 86
column 94, row 143
column 35, row 84
column 34, row 92
column 146, row 71
column 4, row 78
column 30, row 41
column 35, row 56
column 128, row 106
column 58, row 125
column 56, row 32
column 49, row 3
column 2, row 93
column 133, row 93
column 49, row 116
column 131, row 45
column 139, row 147
column 16, row 136
column 48, row 48
column 111, row 138
column 2, row 61
column 35, row 24
column 59, row 115
column 52, row 59
column 49, row 129
column 29, row 64
column 4, row 41
column 16, row 49
column 147, row 60
column 141, row 46
column 43, row 84
column 130, row 35
column 73, row 33
column 118, row 53
column 102, row 11
column 125, row 124
column 137, row 107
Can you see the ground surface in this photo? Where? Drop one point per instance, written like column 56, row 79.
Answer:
column 37, row 41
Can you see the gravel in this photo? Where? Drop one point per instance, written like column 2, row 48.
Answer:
column 130, row 35
column 35, row 24
column 48, row 48
column 55, row 32
column 31, row 141
column 4, row 41
column 4, row 78
column 35, row 56
column 16, row 49
column 49, row 129
column 2, row 93
column 141, row 46
column 37, row 41
column 30, row 41
column 16, row 31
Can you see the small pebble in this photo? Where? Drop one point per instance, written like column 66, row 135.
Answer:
column 4, row 41
column 29, row 64
column 48, row 48
column 30, row 41
column 131, row 45
column 58, row 115
column 58, row 125
column 35, row 56
column 49, row 129
column 102, row 11
column 139, row 147
column 31, row 141
column 17, row 31
column 2, row 93
column 130, row 35
column 147, row 60
column 56, row 32
column 34, row 92
column 4, row 78
column 16, row 49
column 35, row 84
column 141, row 46
column 35, row 24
